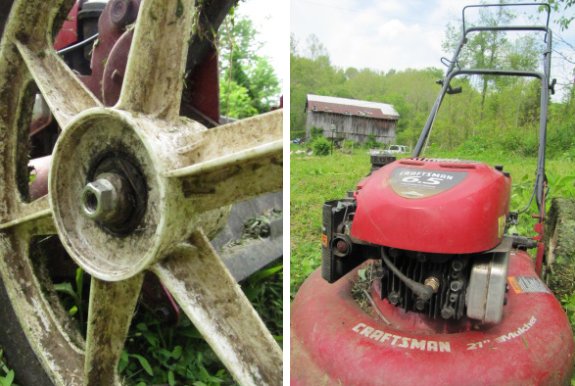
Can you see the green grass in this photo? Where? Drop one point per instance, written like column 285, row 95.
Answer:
column 316, row 179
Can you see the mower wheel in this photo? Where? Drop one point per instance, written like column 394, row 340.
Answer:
column 560, row 244
column 134, row 189
column 12, row 339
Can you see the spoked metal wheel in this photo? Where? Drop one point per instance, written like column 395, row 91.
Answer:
column 132, row 188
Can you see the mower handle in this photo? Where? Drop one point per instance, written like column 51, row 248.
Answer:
column 544, row 5
column 544, row 76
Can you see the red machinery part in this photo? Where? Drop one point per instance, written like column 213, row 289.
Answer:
column 334, row 342
column 68, row 34
column 436, row 206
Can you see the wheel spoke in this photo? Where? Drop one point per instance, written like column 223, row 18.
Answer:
column 62, row 90
column 37, row 216
column 155, row 71
column 213, row 301
column 240, row 160
column 112, row 306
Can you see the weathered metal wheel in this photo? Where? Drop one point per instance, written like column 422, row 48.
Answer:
column 132, row 188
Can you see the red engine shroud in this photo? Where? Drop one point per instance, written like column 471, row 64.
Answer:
column 434, row 206
column 334, row 342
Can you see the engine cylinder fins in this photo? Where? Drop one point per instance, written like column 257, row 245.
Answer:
column 445, row 278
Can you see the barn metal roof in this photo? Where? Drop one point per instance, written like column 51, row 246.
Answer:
column 347, row 106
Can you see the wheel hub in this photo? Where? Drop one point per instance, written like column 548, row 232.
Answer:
column 109, row 202
column 115, row 195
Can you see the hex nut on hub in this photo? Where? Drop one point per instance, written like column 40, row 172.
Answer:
column 106, row 199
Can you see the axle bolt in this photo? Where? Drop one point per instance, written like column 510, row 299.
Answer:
column 105, row 200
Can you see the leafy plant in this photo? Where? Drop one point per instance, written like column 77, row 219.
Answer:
column 371, row 143
column 6, row 374
column 73, row 298
column 156, row 353
column 248, row 84
column 321, row 146
column 568, row 303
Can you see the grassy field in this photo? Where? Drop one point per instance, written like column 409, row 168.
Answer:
column 317, row 179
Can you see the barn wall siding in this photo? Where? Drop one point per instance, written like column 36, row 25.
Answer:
column 351, row 127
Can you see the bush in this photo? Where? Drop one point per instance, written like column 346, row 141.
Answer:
column 475, row 145
column 371, row 143
column 348, row 144
column 561, row 139
column 316, row 132
column 321, row 146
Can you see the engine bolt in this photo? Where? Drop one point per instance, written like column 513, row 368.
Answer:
column 420, row 304
column 432, row 282
column 457, row 265
column 447, row 312
column 393, row 298
column 456, row 285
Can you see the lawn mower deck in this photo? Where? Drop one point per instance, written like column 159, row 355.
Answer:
column 335, row 341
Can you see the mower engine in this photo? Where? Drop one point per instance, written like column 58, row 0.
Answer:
column 437, row 226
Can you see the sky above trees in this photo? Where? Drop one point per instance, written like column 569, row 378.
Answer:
column 394, row 34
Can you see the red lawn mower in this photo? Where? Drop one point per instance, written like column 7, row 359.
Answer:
column 452, row 299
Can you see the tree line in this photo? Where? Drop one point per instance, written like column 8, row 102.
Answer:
column 491, row 113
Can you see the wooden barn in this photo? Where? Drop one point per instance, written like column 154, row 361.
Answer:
column 342, row 118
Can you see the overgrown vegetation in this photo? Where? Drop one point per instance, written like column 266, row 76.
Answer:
column 158, row 353
column 178, row 355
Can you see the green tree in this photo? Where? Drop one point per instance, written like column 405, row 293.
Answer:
column 563, row 7
column 311, row 76
column 243, row 72
column 236, row 101
column 484, row 49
